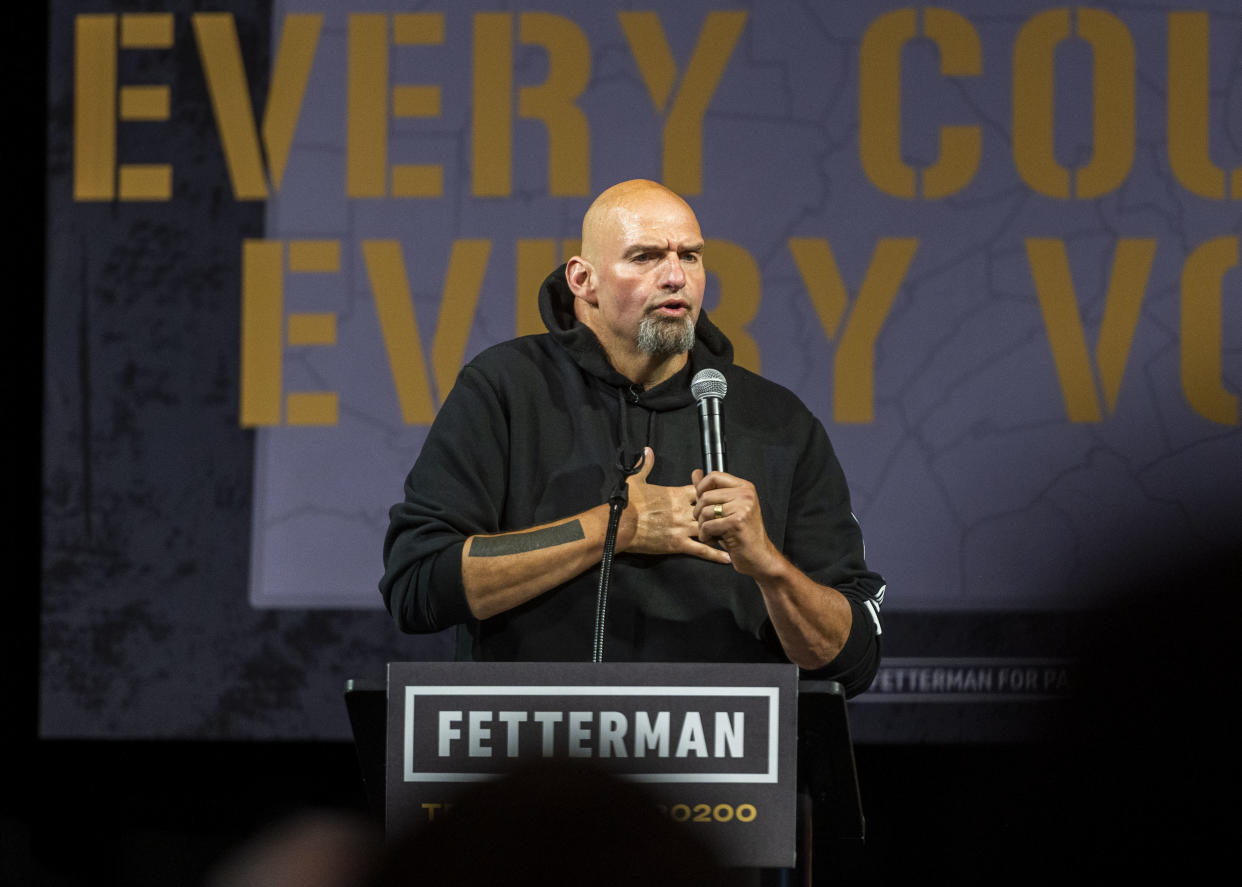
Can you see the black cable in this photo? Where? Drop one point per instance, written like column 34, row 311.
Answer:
column 616, row 505
column 626, row 464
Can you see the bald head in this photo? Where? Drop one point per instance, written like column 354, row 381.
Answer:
column 621, row 207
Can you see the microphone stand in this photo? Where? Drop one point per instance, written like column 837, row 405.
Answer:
column 616, row 504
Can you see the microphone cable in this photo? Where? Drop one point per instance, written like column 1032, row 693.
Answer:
column 616, row 504
column 617, row 500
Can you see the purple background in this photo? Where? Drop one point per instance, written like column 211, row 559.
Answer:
column 184, row 557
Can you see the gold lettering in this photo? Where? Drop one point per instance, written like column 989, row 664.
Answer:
column 366, row 121
column 227, row 86
column 262, row 353
column 145, row 181
column 395, row 310
column 535, row 258
column 312, row 408
column 491, row 131
column 879, row 100
column 1187, row 112
column 1202, row 328
column 552, row 102
column 569, row 70
column 853, row 366
column 366, row 139
column 961, row 147
column 94, row 107
column 147, row 30
column 312, row 329
column 1054, row 286
column 740, row 292
column 460, row 297
column 417, row 29
column 98, row 104
column 146, row 103
column 683, row 122
column 1113, row 81
column 879, row 121
column 1034, row 123
column 1034, row 112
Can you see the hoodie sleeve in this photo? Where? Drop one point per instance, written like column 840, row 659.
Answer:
column 824, row 540
column 455, row 490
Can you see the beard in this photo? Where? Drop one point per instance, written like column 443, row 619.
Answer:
column 665, row 336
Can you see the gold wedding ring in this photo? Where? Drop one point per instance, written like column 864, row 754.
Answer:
column 718, row 511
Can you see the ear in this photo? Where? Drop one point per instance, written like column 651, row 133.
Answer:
column 581, row 279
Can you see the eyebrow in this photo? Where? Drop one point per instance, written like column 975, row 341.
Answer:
column 639, row 248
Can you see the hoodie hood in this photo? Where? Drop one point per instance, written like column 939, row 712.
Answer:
column 556, row 306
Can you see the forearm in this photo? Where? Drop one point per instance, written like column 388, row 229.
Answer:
column 503, row 571
column 812, row 621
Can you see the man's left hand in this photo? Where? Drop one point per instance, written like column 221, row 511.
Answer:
column 727, row 509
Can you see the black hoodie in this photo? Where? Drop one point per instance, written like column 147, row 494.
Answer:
column 531, row 434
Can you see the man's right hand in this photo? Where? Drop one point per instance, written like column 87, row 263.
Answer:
column 660, row 520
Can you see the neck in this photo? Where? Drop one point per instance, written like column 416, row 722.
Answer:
column 644, row 370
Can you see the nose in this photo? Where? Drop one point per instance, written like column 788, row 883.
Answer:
column 673, row 275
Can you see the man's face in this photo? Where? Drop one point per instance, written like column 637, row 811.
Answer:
column 649, row 277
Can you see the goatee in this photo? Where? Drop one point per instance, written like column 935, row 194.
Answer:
column 665, row 336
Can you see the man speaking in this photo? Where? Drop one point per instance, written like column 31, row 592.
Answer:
column 559, row 510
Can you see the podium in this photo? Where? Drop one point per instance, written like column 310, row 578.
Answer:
column 449, row 723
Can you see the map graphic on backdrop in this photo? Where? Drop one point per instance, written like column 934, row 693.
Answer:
column 998, row 321
column 994, row 248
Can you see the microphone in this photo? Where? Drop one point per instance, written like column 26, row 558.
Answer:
column 709, row 387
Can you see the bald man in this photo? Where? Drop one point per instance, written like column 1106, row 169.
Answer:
column 506, row 510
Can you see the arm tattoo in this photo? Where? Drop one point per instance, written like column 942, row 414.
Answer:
column 516, row 543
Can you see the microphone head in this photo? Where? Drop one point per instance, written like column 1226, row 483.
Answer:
column 708, row 383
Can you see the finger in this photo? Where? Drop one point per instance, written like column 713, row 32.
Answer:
column 700, row 504
column 648, row 464
column 707, row 553
column 695, row 477
column 705, row 507
column 717, row 480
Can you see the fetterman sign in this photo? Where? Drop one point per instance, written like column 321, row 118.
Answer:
column 715, row 744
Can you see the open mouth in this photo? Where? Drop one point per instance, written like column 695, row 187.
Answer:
column 672, row 308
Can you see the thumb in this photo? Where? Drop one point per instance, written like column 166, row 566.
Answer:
column 648, row 464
